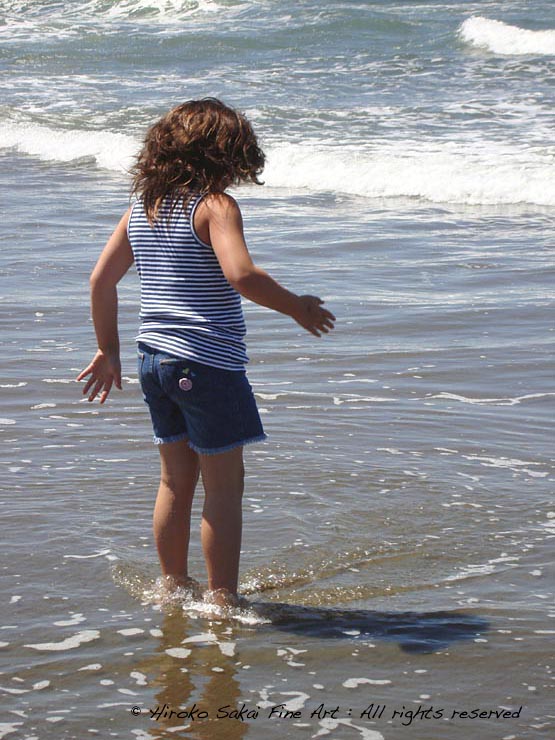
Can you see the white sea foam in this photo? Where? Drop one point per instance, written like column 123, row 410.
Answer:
column 465, row 171
column 139, row 677
column 470, row 571
column 162, row 9
column 501, row 38
column 41, row 685
column 469, row 171
column 205, row 637
column 109, row 150
column 98, row 554
column 36, row 22
column 298, row 701
column 28, row 18
column 75, row 619
column 328, row 725
column 69, row 643
column 490, row 401
column 227, row 648
column 522, row 466
column 7, row 728
column 352, row 683
column 178, row 652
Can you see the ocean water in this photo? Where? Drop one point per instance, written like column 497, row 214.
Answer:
column 399, row 520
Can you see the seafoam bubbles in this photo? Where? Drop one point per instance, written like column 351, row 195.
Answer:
column 296, row 703
column 471, row 170
column 169, row 10
column 60, row 16
column 76, row 618
column 100, row 553
column 113, row 151
column 178, row 652
column 353, row 683
column 502, row 38
column 507, row 401
column 40, row 21
column 328, row 725
column 68, row 643
column 7, row 728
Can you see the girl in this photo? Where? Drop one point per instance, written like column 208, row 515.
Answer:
column 185, row 235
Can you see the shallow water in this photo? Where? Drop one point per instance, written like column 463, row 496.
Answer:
column 399, row 520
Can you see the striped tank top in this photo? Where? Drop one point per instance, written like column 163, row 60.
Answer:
column 188, row 307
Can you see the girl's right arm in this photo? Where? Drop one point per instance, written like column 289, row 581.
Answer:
column 113, row 263
column 225, row 227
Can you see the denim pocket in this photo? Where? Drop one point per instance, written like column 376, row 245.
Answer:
column 147, row 375
column 140, row 372
column 182, row 381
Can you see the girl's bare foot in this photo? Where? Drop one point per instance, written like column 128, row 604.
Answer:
column 176, row 586
column 224, row 598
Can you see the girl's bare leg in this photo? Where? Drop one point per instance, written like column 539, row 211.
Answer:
column 172, row 511
column 223, row 480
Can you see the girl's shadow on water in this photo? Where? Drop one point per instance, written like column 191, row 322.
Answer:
column 415, row 632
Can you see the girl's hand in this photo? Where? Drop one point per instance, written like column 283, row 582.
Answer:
column 312, row 317
column 105, row 369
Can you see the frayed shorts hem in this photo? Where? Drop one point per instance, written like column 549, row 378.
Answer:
column 172, row 438
column 210, row 450
column 226, row 448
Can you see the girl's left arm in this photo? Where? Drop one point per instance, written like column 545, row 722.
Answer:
column 113, row 263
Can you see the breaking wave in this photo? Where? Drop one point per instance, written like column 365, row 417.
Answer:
column 501, row 38
column 473, row 172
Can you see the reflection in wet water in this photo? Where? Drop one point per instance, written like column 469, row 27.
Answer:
column 196, row 680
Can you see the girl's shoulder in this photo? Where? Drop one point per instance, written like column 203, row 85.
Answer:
column 218, row 207
column 219, row 201
column 217, row 212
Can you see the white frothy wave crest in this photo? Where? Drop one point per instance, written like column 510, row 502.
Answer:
column 474, row 172
column 501, row 38
column 36, row 21
column 109, row 150
column 163, row 9
column 122, row 9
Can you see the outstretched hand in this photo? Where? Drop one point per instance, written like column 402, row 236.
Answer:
column 312, row 317
column 105, row 370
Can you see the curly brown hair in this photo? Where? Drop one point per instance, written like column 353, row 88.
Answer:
column 201, row 145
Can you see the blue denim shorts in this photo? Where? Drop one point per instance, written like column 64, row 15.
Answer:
column 213, row 409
